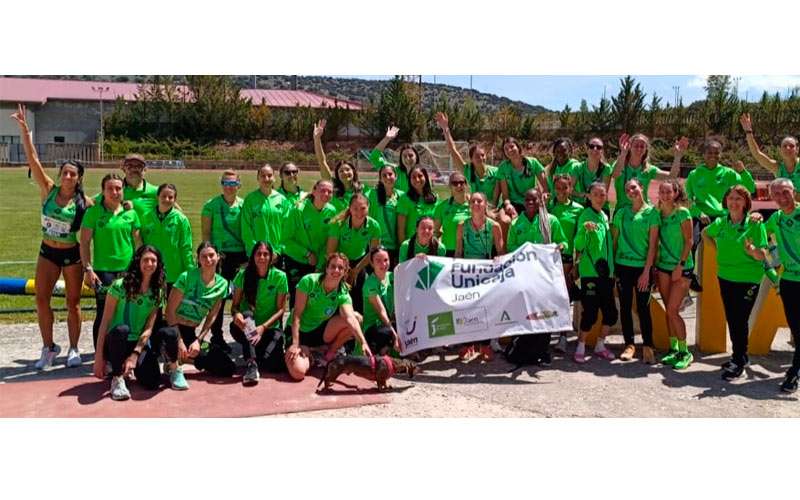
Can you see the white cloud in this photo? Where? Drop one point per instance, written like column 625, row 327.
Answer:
column 754, row 83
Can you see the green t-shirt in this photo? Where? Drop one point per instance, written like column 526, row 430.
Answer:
column 569, row 168
column 643, row 175
column 354, row 242
column 477, row 243
column 584, row 178
column 403, row 252
column 671, row 240
column 294, row 197
column 633, row 241
column 524, row 230
column 733, row 262
column 705, row 188
column 341, row 203
column 385, row 290
column 198, row 299
column 485, row 184
column 786, row 229
column 567, row 215
column 377, row 160
column 307, row 231
column 269, row 287
column 413, row 211
column 518, row 182
column 172, row 236
column 112, row 240
column 144, row 199
column 794, row 176
column 56, row 220
column 449, row 213
column 386, row 215
column 320, row 306
column 226, row 223
column 131, row 312
column 263, row 218
column 593, row 245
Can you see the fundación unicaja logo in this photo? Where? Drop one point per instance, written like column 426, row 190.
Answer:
column 427, row 275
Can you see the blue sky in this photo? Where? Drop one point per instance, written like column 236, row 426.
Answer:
column 553, row 92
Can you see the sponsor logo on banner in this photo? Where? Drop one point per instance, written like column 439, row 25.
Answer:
column 471, row 320
column 541, row 315
column 505, row 319
column 427, row 275
column 441, row 325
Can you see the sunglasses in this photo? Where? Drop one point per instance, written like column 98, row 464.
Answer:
column 291, row 172
column 458, row 183
column 596, row 146
column 231, row 183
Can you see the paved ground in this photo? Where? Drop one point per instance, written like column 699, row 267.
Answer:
column 475, row 389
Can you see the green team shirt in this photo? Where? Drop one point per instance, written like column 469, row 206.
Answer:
column 794, row 176
column 786, row 229
column 56, row 220
column 449, row 214
column 307, row 231
column 378, row 161
column 112, row 239
column 269, row 287
column 403, row 253
column 143, row 199
column 373, row 287
column 567, row 215
column 341, row 203
column 414, row 210
column 386, row 215
column 524, row 230
column 569, row 168
column 320, row 306
column 705, row 188
column 199, row 299
column 670, row 239
column 517, row 181
column 584, row 178
column 593, row 245
column 633, row 241
column 293, row 197
column 171, row 234
column 477, row 243
column 263, row 218
column 226, row 223
column 131, row 312
column 354, row 242
column 485, row 184
column 733, row 262
column 643, row 175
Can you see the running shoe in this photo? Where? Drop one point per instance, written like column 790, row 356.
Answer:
column 47, row 357
column 683, row 360
column 628, row 353
column 733, row 371
column 251, row 376
column 687, row 302
column 466, row 352
column 730, row 363
column 605, row 354
column 789, row 383
column 669, row 358
column 177, row 380
column 561, row 345
column 119, row 391
column 580, row 358
column 648, row 355
column 545, row 360
column 73, row 357
column 486, row 353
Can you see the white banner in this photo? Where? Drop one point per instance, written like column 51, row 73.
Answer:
column 441, row 301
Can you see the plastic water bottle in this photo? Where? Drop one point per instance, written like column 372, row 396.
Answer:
column 773, row 261
column 249, row 328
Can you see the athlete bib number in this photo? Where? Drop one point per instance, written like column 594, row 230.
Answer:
column 54, row 227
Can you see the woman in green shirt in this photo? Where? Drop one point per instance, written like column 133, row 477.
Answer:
column 563, row 163
column 518, row 174
column 635, row 233
column 408, row 158
column 596, row 270
column 452, row 211
column 675, row 267
column 125, row 338
column 378, row 298
column 592, row 169
column 167, row 229
column 383, row 208
column 634, row 163
column 259, row 298
column 738, row 273
column 344, row 176
column 419, row 200
column 109, row 236
column 63, row 209
column 314, row 322
column 264, row 212
column 789, row 165
column 290, row 185
column 423, row 242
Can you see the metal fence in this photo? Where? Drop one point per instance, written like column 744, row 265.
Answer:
column 49, row 153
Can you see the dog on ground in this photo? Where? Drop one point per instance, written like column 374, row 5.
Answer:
column 378, row 368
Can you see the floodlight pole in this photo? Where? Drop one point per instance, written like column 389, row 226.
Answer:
column 100, row 90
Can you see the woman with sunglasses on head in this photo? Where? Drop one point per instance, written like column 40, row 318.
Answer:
column 126, row 339
column 63, row 208
column 739, row 274
column 518, row 174
column 344, row 175
column 378, row 299
column 419, row 200
column 314, row 322
column 422, row 242
column 635, row 233
column 789, row 165
column 634, row 162
column 264, row 213
column 592, row 169
column 675, row 267
column 221, row 224
column 451, row 212
column 257, row 307
column 290, row 185
column 408, row 158
column 383, row 208
column 109, row 236
column 563, row 163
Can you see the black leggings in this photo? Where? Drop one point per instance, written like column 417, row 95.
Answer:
column 597, row 294
column 212, row 360
column 267, row 351
column 106, row 278
column 231, row 261
column 790, row 290
column 738, row 300
column 294, row 272
column 118, row 348
column 627, row 285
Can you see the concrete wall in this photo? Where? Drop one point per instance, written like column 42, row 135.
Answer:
column 78, row 122
column 8, row 126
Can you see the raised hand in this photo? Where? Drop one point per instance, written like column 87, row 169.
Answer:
column 680, row 147
column 624, row 143
column 747, row 125
column 391, row 132
column 442, row 121
column 319, row 128
column 20, row 117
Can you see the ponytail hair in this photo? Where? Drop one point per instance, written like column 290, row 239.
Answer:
column 79, row 197
column 433, row 245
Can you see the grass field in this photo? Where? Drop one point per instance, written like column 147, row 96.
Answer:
column 20, row 211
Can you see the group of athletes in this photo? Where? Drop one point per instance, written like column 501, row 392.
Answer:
column 327, row 255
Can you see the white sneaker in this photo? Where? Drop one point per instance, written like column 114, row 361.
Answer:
column 48, row 356
column 561, row 345
column 687, row 302
column 73, row 357
column 119, row 391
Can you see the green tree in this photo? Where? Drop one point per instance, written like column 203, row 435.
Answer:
column 602, row 117
column 628, row 105
column 721, row 104
column 653, row 114
column 399, row 105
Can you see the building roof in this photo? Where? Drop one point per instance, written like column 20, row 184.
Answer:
column 35, row 90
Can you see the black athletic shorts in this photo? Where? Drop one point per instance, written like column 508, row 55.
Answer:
column 686, row 273
column 62, row 257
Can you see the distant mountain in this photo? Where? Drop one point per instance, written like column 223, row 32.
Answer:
column 345, row 88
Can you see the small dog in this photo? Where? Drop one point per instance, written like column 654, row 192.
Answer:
column 379, row 368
